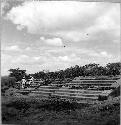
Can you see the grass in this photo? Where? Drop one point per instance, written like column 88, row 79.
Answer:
column 27, row 111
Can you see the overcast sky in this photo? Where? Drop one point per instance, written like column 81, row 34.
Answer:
column 56, row 35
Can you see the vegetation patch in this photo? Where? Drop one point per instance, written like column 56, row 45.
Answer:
column 61, row 113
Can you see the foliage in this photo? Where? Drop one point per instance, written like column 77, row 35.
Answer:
column 26, row 111
column 93, row 70
column 89, row 70
column 115, row 93
column 8, row 81
column 11, row 91
column 113, row 69
column 17, row 73
column 102, row 98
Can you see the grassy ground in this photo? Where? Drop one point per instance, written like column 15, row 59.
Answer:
column 26, row 111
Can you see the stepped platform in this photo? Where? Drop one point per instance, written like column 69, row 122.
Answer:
column 82, row 95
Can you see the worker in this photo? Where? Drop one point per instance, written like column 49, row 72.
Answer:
column 31, row 80
column 23, row 82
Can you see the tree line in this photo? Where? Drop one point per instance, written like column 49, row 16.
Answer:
column 93, row 70
column 89, row 70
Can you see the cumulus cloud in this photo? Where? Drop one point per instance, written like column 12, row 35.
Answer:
column 86, row 29
column 28, row 48
column 105, row 54
column 53, row 63
column 5, row 58
column 80, row 53
column 74, row 35
column 109, row 21
column 52, row 41
column 12, row 48
column 64, row 58
column 43, row 16
column 21, row 59
column 42, row 38
column 56, row 61
column 102, row 54
column 37, row 58
column 6, row 63
column 54, row 66
column 27, row 60
column 54, row 15
column 20, row 27
column 69, row 19
column 116, row 41
column 4, row 6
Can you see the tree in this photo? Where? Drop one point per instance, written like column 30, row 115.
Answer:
column 113, row 69
column 17, row 73
column 90, row 69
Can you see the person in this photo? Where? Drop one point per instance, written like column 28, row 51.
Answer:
column 23, row 82
column 31, row 80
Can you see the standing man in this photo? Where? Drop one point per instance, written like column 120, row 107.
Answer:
column 23, row 82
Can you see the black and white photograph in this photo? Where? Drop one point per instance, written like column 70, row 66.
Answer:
column 60, row 62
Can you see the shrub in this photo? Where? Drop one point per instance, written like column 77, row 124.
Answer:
column 102, row 98
column 8, row 81
column 10, row 92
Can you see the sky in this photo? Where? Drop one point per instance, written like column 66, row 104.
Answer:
column 54, row 35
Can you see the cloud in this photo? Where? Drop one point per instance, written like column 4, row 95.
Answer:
column 54, row 42
column 6, row 63
column 42, row 38
column 28, row 60
column 5, row 58
column 102, row 54
column 94, row 53
column 64, row 58
column 116, row 41
column 37, row 58
column 71, row 58
column 105, row 54
column 20, row 27
column 4, row 6
column 79, row 52
column 90, row 32
column 54, row 66
column 46, row 16
column 53, row 63
column 109, row 21
column 21, row 59
column 28, row 48
column 62, row 62
column 50, row 61
column 24, row 59
column 71, row 20
column 12, row 48
column 75, row 35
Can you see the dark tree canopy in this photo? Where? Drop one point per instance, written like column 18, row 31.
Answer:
column 17, row 73
column 89, row 70
column 92, row 69
column 113, row 69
